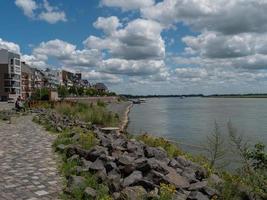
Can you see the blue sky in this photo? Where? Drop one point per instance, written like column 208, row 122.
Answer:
column 144, row 46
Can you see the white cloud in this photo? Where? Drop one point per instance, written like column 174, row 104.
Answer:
column 44, row 11
column 67, row 53
column 140, row 39
column 126, row 4
column 51, row 14
column 11, row 46
column 109, row 25
column 28, row 7
column 96, row 76
column 132, row 67
column 222, row 15
column 34, row 62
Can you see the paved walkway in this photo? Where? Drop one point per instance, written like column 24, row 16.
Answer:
column 28, row 167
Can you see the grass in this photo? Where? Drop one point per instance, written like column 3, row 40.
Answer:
column 96, row 114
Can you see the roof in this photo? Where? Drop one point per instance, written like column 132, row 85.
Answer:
column 100, row 86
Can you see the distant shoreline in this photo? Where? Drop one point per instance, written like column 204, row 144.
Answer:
column 199, row 95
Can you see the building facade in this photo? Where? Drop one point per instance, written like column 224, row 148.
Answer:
column 27, row 78
column 10, row 75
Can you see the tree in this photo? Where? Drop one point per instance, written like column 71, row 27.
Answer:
column 215, row 146
column 63, row 91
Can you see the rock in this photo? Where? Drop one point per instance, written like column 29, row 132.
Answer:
column 74, row 158
column 127, row 169
column 156, row 152
column 114, row 180
column 76, row 137
column 110, row 166
column 195, row 195
column 182, row 161
column 125, row 160
column 89, row 193
column 59, row 129
column 101, row 175
column 132, row 178
column 96, row 152
column 147, row 184
column 153, row 194
column 97, row 165
column 133, row 193
column 190, row 175
column 75, row 182
column 116, row 195
column 177, row 180
column 155, row 177
column 198, row 185
column 181, row 195
column 209, row 191
column 215, row 179
column 86, row 163
column 60, row 148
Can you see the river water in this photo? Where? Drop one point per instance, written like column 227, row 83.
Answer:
column 189, row 120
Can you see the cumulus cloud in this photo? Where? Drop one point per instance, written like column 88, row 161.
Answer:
column 96, row 76
column 140, row 39
column 132, row 67
column 28, row 7
column 126, row 4
column 44, row 11
column 222, row 15
column 51, row 14
column 67, row 53
column 109, row 25
column 11, row 46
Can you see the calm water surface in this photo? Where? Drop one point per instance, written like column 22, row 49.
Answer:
column 190, row 120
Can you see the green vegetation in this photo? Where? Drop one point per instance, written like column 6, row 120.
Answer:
column 166, row 191
column 96, row 114
column 40, row 94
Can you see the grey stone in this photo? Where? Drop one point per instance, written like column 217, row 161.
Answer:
column 125, row 160
column 177, row 180
column 75, row 182
column 156, row 152
column 198, row 185
column 97, row 165
column 195, row 195
column 132, row 178
column 89, row 193
column 133, row 193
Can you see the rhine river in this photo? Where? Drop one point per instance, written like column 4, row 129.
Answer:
column 190, row 120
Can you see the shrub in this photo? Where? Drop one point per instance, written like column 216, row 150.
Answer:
column 166, row 191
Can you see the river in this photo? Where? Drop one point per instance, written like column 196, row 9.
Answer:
column 190, row 120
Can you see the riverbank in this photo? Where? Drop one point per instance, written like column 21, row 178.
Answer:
column 101, row 164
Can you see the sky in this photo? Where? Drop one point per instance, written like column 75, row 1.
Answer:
column 144, row 46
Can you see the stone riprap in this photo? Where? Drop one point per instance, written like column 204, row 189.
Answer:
column 28, row 165
column 129, row 167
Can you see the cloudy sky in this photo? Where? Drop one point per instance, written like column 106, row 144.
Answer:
column 145, row 46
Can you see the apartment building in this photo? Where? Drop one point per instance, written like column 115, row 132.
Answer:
column 27, row 80
column 10, row 75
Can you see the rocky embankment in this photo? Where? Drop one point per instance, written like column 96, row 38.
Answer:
column 130, row 168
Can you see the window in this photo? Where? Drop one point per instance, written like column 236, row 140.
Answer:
column 11, row 61
column 7, row 90
column 17, row 62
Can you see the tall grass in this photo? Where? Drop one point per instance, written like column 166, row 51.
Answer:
column 96, row 114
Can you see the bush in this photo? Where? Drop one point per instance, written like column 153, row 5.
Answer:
column 89, row 113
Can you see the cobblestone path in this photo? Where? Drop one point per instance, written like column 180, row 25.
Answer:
column 28, row 165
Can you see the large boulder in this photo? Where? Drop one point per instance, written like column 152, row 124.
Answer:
column 177, row 180
column 97, row 165
column 132, row 178
column 198, row 185
column 96, row 152
column 195, row 195
column 155, row 152
column 133, row 193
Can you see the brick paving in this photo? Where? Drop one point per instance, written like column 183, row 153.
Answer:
column 28, row 165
